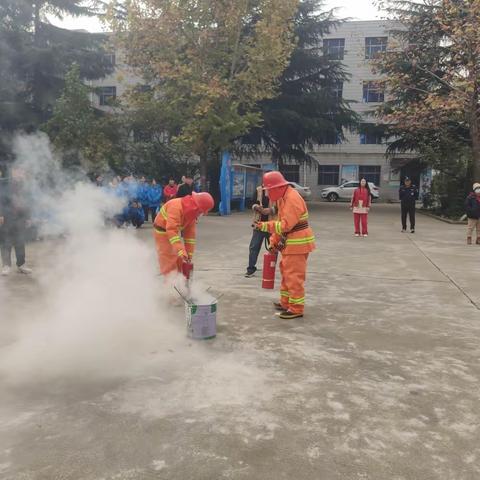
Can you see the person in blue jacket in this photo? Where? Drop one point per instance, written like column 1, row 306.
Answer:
column 155, row 193
column 143, row 191
column 133, row 214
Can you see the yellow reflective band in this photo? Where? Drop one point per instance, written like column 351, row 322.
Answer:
column 190, row 241
column 284, row 294
column 163, row 213
column 300, row 241
column 297, row 301
column 264, row 227
column 278, row 227
column 159, row 232
column 181, row 253
column 174, row 240
column 304, row 216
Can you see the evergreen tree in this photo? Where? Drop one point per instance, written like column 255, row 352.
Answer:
column 35, row 56
column 308, row 110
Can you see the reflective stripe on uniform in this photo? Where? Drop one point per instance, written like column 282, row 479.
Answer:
column 297, row 301
column 304, row 216
column 163, row 213
column 264, row 227
column 283, row 293
column 159, row 231
column 300, row 241
column 190, row 241
column 181, row 253
column 278, row 228
column 174, row 239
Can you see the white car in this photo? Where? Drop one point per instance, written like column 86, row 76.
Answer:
column 305, row 192
column 345, row 191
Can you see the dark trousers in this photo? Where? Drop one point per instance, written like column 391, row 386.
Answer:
column 255, row 247
column 12, row 240
column 147, row 210
column 410, row 211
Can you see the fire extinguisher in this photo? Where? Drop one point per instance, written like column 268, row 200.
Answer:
column 269, row 264
column 187, row 269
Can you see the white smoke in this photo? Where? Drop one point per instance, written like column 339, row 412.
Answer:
column 102, row 311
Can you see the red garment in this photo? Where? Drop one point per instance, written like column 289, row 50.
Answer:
column 363, row 218
column 170, row 192
column 361, row 193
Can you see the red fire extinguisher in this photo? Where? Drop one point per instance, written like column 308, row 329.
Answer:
column 187, row 269
column 269, row 263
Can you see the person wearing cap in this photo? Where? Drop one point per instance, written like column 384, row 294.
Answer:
column 174, row 230
column 292, row 236
column 408, row 195
column 472, row 207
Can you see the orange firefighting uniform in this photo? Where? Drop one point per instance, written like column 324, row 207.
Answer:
column 292, row 225
column 176, row 219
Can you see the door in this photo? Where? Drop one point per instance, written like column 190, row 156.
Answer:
column 347, row 189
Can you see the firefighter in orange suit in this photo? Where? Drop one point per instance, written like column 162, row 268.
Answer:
column 174, row 230
column 293, row 237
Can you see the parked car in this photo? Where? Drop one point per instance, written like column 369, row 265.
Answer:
column 345, row 191
column 305, row 192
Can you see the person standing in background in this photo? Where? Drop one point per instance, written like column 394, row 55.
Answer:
column 14, row 219
column 186, row 188
column 360, row 205
column 154, row 198
column 143, row 189
column 170, row 191
column 408, row 195
column 472, row 207
column 261, row 206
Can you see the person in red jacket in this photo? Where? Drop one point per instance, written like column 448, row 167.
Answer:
column 170, row 191
column 360, row 205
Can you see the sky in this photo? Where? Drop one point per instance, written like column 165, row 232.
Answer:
column 353, row 9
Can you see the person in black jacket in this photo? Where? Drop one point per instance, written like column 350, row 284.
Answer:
column 263, row 209
column 472, row 207
column 14, row 219
column 408, row 195
column 186, row 188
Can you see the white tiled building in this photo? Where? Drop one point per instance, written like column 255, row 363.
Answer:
column 354, row 43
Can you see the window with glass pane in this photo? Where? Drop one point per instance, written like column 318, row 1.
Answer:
column 374, row 46
column 338, row 90
column 373, row 92
column 334, row 48
column 291, row 173
column 107, row 95
column 371, row 173
column 328, row 174
column 110, row 58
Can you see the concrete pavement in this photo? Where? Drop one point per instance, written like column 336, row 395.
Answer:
column 379, row 381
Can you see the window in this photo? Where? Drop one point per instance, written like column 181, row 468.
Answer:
column 371, row 173
column 334, row 48
column 107, row 95
column 338, row 90
column 328, row 174
column 351, row 185
column 374, row 46
column 110, row 58
column 291, row 173
column 371, row 134
column 373, row 92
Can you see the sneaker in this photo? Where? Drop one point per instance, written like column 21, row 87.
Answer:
column 250, row 273
column 6, row 270
column 412, row 230
column 365, row 234
column 278, row 306
column 288, row 315
column 357, row 234
column 25, row 270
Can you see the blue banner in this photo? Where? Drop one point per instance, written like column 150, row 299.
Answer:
column 225, row 184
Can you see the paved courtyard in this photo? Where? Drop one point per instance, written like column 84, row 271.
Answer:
column 379, row 381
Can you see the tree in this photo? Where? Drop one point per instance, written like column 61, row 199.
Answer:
column 35, row 56
column 210, row 63
column 308, row 109
column 433, row 78
column 82, row 135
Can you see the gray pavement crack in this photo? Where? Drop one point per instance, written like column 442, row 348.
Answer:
column 446, row 275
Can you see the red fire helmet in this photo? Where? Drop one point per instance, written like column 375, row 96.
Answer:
column 274, row 180
column 204, row 201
